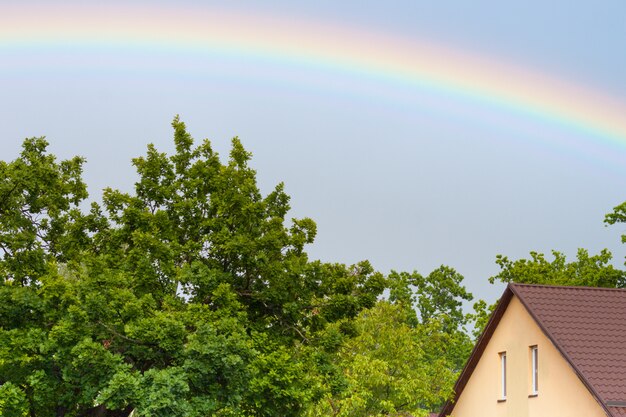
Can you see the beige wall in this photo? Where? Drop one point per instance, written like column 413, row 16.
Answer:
column 561, row 393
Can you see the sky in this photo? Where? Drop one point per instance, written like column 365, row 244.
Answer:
column 414, row 133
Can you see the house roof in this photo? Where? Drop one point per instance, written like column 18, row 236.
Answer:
column 588, row 327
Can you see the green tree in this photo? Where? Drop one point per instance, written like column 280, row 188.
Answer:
column 586, row 270
column 189, row 296
column 438, row 296
column 399, row 357
column 618, row 215
column 39, row 216
column 391, row 368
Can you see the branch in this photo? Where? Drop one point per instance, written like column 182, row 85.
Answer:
column 6, row 196
column 121, row 336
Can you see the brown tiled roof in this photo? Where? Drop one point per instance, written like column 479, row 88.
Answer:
column 618, row 411
column 587, row 325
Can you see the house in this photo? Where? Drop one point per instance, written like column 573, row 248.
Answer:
column 548, row 351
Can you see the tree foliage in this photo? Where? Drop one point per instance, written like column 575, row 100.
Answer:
column 393, row 367
column 193, row 295
column 618, row 215
column 586, row 270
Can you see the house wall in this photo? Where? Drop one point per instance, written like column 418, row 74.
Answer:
column 560, row 393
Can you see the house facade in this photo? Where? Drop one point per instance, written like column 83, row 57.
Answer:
column 548, row 351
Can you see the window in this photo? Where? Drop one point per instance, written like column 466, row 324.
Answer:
column 534, row 380
column 502, row 376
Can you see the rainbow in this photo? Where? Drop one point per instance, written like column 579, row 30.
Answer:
column 319, row 45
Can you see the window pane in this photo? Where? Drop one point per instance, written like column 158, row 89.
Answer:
column 503, row 375
column 535, row 360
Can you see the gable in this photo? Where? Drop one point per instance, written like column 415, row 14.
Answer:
column 561, row 392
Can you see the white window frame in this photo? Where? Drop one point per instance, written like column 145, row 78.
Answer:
column 534, row 370
column 502, row 376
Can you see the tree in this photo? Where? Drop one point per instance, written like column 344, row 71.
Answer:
column 39, row 216
column 193, row 295
column 393, row 367
column 439, row 296
column 617, row 216
column 586, row 270
column 401, row 356
column 189, row 296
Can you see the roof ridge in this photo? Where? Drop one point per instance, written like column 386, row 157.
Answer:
column 568, row 287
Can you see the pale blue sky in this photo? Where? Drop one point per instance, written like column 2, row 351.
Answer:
column 406, row 179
